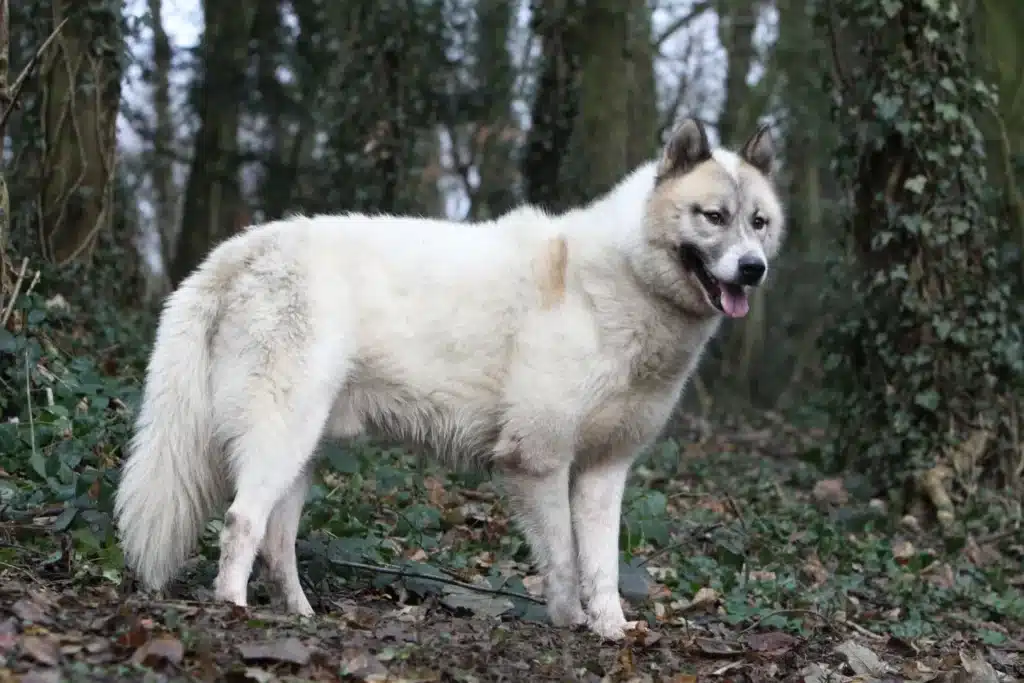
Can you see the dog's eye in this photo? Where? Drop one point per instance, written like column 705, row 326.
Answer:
column 760, row 222
column 715, row 217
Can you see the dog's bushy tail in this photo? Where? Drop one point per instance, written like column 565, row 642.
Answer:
column 171, row 481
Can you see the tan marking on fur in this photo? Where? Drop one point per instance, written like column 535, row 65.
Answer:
column 551, row 272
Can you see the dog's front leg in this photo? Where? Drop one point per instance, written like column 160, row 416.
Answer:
column 596, row 508
column 539, row 496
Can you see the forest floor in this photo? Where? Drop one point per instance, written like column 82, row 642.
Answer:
column 745, row 563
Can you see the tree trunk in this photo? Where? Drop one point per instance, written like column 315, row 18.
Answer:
column 925, row 367
column 5, row 102
column 80, row 86
column 737, row 20
column 558, row 26
column 161, row 165
column 212, row 194
column 495, row 135
column 601, row 119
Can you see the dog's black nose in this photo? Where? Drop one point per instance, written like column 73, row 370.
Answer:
column 751, row 269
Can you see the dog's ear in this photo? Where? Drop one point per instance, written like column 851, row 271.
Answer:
column 759, row 151
column 687, row 147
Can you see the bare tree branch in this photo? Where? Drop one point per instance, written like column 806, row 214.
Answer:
column 681, row 22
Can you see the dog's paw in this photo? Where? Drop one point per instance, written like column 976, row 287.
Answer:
column 615, row 629
column 568, row 615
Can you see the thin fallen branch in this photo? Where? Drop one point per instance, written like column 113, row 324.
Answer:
column 404, row 573
column 14, row 293
column 789, row 613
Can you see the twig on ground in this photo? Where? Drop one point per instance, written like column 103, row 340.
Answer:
column 736, row 509
column 996, row 536
column 681, row 544
column 397, row 571
column 861, row 630
column 28, row 397
column 789, row 612
column 14, row 293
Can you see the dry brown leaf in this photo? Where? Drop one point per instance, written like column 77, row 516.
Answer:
column 285, row 650
column 979, row 670
column 772, row 643
column 863, row 661
column 705, row 599
column 714, row 646
column 362, row 666
column 42, row 676
column 159, row 650
column 902, row 551
column 831, row 491
column 814, row 570
column 819, row 673
column 30, row 610
column 42, row 648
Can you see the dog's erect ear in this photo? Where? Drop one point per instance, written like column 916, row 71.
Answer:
column 759, row 151
column 687, row 147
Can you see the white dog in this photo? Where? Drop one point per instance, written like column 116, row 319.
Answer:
column 551, row 348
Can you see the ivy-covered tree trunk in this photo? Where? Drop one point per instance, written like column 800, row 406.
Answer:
column 80, row 95
column 925, row 361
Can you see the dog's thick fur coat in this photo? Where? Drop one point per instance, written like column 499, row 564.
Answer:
column 549, row 348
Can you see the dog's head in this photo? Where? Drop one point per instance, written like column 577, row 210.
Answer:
column 713, row 222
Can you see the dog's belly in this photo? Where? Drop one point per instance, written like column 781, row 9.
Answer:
column 459, row 422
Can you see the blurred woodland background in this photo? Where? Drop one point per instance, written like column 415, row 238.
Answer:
column 892, row 324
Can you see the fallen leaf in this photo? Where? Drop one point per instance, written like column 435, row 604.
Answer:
column 831, row 491
column 362, row 666
column 479, row 603
column 29, row 610
column 159, row 650
column 863, row 661
column 42, row 676
column 815, row 570
column 902, row 551
column 818, row 673
column 136, row 636
column 714, row 646
column 44, row 649
column 774, row 643
column 642, row 636
column 704, row 599
column 8, row 635
column 979, row 670
column 285, row 650
column 762, row 575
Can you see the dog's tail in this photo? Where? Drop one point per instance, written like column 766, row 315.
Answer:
column 171, row 481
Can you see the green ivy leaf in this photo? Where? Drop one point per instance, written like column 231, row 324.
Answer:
column 916, row 184
column 928, row 399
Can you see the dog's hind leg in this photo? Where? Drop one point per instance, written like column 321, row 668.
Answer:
column 278, row 549
column 267, row 459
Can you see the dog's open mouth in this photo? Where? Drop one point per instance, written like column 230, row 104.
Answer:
column 727, row 297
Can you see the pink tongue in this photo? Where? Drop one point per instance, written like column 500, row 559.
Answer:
column 734, row 302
